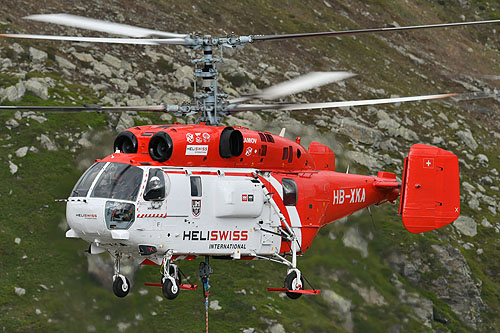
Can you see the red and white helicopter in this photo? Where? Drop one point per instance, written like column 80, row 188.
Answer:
column 173, row 192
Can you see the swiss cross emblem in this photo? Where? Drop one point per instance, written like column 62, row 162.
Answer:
column 244, row 197
column 428, row 163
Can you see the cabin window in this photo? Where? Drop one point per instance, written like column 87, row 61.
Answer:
column 289, row 192
column 290, row 154
column 195, row 186
column 262, row 137
column 269, row 137
column 155, row 188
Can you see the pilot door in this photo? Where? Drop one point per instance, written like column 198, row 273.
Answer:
column 153, row 202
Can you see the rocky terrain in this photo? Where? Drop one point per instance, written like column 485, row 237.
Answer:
column 374, row 275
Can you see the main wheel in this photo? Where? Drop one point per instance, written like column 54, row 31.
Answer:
column 170, row 290
column 119, row 288
column 291, row 284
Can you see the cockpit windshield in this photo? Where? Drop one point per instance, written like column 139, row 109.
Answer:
column 82, row 187
column 118, row 181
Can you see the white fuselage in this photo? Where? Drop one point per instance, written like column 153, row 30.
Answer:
column 205, row 211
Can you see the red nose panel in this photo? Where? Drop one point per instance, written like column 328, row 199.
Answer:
column 430, row 197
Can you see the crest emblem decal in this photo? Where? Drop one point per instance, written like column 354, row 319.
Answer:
column 196, row 207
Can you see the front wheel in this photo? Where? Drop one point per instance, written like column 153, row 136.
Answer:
column 170, row 290
column 291, row 283
column 120, row 288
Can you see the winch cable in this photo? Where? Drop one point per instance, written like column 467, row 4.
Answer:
column 204, row 272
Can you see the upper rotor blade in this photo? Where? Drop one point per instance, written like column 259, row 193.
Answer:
column 138, row 41
column 329, row 105
column 299, row 84
column 373, row 30
column 103, row 26
column 87, row 108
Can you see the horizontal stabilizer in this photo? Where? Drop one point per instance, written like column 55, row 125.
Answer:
column 430, row 193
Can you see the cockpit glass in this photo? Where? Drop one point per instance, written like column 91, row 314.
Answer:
column 118, row 181
column 82, row 187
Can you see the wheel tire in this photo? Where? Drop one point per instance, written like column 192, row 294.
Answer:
column 290, row 278
column 119, row 288
column 167, row 289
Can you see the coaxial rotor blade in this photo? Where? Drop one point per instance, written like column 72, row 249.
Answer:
column 329, row 105
column 102, row 26
column 137, row 41
column 88, row 108
column 299, row 84
column 373, row 30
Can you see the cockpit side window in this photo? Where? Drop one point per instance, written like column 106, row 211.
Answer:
column 289, row 192
column 119, row 181
column 195, row 186
column 82, row 187
column 155, row 188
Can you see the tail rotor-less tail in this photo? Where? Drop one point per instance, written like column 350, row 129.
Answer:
column 430, row 191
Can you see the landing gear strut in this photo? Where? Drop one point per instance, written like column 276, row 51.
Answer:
column 170, row 278
column 121, row 285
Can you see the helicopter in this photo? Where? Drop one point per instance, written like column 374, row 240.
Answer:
column 177, row 192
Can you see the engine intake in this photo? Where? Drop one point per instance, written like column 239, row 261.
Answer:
column 161, row 147
column 231, row 143
column 126, row 142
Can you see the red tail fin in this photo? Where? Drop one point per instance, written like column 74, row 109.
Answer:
column 430, row 192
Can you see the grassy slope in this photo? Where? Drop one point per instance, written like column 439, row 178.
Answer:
column 78, row 301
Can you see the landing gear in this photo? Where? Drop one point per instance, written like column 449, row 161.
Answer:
column 171, row 279
column 121, row 285
column 293, row 281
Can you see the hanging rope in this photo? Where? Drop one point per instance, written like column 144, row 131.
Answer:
column 206, row 289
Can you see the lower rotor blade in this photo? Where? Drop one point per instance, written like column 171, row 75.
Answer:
column 136, row 41
column 87, row 108
column 329, row 105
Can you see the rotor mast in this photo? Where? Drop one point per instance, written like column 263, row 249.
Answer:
column 209, row 101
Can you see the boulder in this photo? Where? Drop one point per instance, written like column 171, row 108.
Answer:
column 46, row 143
column 13, row 168
column 359, row 132
column 184, row 77
column 364, row 159
column 466, row 226
column 38, row 87
column 64, row 63
column 19, row 291
column 14, row 93
column 101, row 68
column 83, row 57
column 112, row 61
column 340, row 306
column 467, row 138
column 21, row 152
column 37, row 56
column 214, row 305
column 353, row 239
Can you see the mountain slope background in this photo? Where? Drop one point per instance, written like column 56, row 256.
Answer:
column 373, row 274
